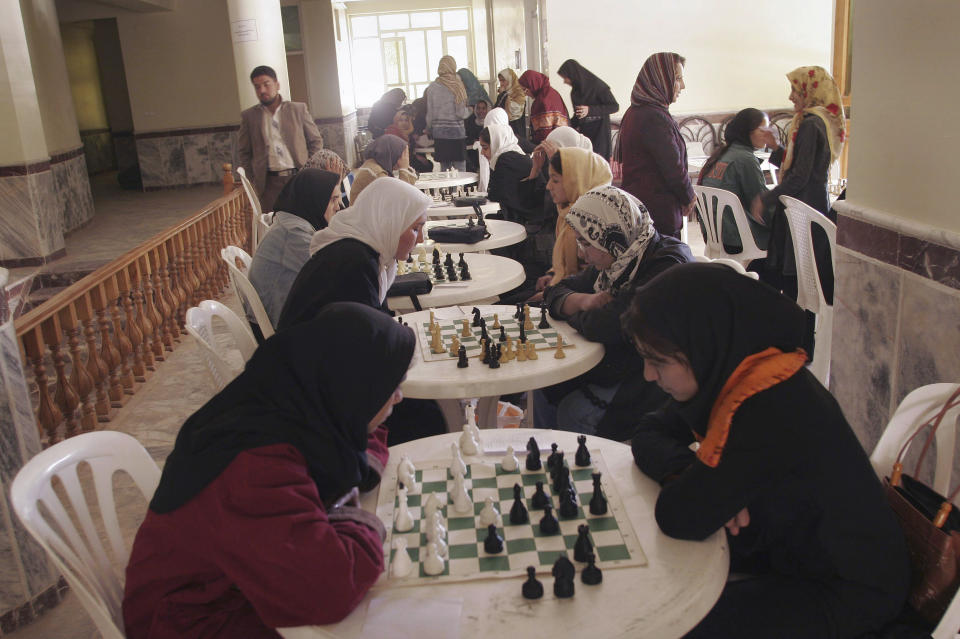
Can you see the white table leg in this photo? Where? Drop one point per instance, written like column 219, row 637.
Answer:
column 527, row 421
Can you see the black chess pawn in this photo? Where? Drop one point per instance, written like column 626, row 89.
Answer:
column 518, row 314
column 552, row 459
column 449, row 260
column 568, row 505
column 563, row 575
column 518, row 512
column 462, row 361
column 532, row 588
column 548, row 523
column 543, row 317
column 555, row 472
column 582, row 458
column 451, row 274
column 591, row 575
column 494, row 356
column 493, row 544
column 437, row 271
column 462, row 262
column 523, row 332
column 400, row 319
column 465, row 272
column 533, row 455
column 598, row 503
column 476, row 316
column 503, row 333
column 540, row 499
column 486, row 353
column 582, row 546
column 436, row 256
column 483, row 330
column 410, row 259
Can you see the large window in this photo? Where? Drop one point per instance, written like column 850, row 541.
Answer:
column 402, row 49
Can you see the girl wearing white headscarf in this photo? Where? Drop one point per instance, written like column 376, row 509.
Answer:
column 509, row 167
column 617, row 239
column 355, row 258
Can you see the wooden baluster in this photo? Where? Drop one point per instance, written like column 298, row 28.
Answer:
column 96, row 368
column 119, row 334
column 80, row 378
column 64, row 397
column 48, row 414
column 224, row 242
column 194, row 245
column 132, row 331
column 227, row 178
column 188, row 278
column 210, row 266
column 236, row 221
column 142, row 319
column 177, row 289
column 161, row 285
column 108, row 350
column 151, row 319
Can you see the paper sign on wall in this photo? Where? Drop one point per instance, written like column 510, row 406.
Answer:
column 244, row 30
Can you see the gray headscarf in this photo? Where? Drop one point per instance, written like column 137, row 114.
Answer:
column 385, row 151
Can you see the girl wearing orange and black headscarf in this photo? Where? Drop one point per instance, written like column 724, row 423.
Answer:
column 815, row 139
column 548, row 111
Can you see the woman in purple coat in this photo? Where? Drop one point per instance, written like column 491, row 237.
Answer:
column 653, row 152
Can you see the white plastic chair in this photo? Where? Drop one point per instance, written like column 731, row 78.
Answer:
column 810, row 290
column 711, row 203
column 726, row 261
column 200, row 325
column 916, row 409
column 244, row 289
column 80, row 555
column 255, row 231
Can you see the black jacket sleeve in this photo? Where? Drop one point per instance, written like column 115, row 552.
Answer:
column 606, row 104
column 661, row 444
column 810, row 136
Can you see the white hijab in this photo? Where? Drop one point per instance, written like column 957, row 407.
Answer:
column 502, row 139
column 496, row 116
column 614, row 221
column 388, row 207
column 565, row 137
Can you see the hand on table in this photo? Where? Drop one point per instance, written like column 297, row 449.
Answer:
column 581, row 111
column 738, row 521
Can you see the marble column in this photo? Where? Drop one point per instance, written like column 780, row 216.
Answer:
column 28, row 584
column 256, row 30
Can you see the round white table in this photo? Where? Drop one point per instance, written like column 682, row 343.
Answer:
column 662, row 600
column 443, row 180
column 490, row 276
column 442, row 380
column 502, row 233
column 447, row 209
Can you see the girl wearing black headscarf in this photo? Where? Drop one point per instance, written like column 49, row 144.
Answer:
column 733, row 167
column 383, row 110
column 777, row 465
column 305, row 205
column 255, row 524
column 593, row 103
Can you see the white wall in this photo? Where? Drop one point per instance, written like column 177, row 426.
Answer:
column 21, row 128
column 737, row 52
column 904, row 140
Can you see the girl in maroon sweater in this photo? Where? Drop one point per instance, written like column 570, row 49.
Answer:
column 255, row 524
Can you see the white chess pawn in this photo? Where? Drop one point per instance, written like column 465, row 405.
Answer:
column 434, row 537
column 401, row 564
column 470, row 415
column 403, row 521
column 509, row 461
column 456, row 461
column 467, row 445
column 489, row 514
column 475, row 434
column 461, row 499
column 433, row 564
column 435, row 521
column 432, row 505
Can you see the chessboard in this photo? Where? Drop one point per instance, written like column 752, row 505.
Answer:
column 614, row 540
column 423, row 263
column 542, row 338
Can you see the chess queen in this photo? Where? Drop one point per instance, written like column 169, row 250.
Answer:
column 255, row 523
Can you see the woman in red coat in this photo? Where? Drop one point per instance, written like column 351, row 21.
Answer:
column 548, row 111
column 653, row 152
column 255, row 524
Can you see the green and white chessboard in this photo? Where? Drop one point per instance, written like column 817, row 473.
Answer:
column 615, row 542
column 543, row 338
column 407, row 267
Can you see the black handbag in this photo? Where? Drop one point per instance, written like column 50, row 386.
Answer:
column 411, row 285
column 458, row 234
column 469, row 200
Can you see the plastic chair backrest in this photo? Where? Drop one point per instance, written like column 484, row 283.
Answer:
column 810, row 295
column 94, row 572
column 726, row 261
column 255, row 231
column 244, row 289
column 916, row 409
column 200, row 325
column 711, row 203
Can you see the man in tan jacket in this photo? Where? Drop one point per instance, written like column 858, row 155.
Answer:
column 277, row 137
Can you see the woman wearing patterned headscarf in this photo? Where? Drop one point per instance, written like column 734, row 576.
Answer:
column 593, row 102
column 623, row 250
column 654, row 154
column 446, row 110
column 548, row 111
column 513, row 101
column 816, row 137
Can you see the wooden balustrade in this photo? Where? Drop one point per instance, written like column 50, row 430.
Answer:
column 92, row 345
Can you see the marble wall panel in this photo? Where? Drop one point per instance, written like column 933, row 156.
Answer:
column 929, row 336
column 196, row 157
column 125, row 150
column 222, row 150
column 13, row 591
column 98, row 149
column 33, row 558
column 73, row 192
column 11, row 367
column 31, row 225
column 864, row 343
column 334, row 138
column 162, row 161
column 43, row 192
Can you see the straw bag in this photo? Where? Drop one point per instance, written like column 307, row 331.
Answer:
column 931, row 526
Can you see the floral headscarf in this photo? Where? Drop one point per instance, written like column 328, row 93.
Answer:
column 656, row 82
column 447, row 76
column 328, row 161
column 821, row 97
column 614, row 221
column 514, row 90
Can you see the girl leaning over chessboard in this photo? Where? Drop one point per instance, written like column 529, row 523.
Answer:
column 817, row 550
column 255, row 524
